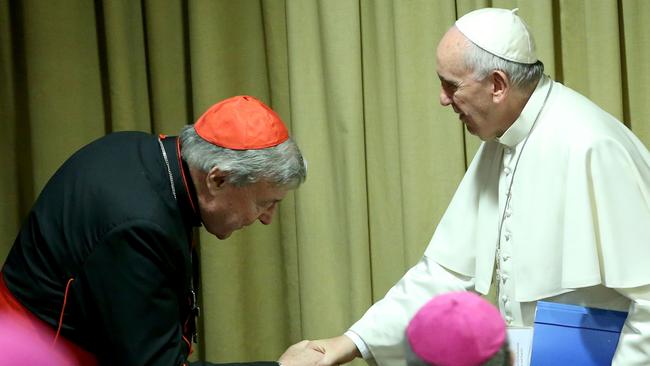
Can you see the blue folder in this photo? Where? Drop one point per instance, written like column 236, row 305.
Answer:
column 575, row 335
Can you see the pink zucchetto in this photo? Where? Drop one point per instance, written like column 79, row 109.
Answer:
column 456, row 329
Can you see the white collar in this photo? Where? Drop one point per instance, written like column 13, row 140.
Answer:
column 518, row 131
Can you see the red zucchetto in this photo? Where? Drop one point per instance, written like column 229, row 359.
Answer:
column 241, row 123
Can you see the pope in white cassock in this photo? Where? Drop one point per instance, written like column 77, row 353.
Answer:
column 555, row 205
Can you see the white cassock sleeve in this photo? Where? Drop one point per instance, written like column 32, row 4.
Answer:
column 634, row 343
column 381, row 329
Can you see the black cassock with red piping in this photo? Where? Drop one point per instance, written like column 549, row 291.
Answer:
column 114, row 227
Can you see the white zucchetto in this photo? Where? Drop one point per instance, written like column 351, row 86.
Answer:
column 501, row 32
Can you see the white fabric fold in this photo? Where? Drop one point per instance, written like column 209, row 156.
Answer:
column 634, row 343
column 578, row 229
column 580, row 203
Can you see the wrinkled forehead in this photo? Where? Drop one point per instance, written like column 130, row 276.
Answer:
column 452, row 38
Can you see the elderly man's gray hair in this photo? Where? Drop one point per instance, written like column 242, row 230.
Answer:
column 482, row 63
column 281, row 165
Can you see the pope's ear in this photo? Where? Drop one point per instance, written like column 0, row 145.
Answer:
column 215, row 179
column 500, row 86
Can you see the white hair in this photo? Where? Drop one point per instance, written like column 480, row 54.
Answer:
column 482, row 63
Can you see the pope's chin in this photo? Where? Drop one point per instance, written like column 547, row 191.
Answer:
column 469, row 127
column 482, row 137
column 463, row 118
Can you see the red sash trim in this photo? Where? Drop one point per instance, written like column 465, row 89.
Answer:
column 10, row 307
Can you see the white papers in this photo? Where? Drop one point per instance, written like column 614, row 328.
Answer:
column 521, row 344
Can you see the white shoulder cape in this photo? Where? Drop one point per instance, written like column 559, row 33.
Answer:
column 580, row 202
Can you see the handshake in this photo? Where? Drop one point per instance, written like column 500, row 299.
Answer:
column 322, row 352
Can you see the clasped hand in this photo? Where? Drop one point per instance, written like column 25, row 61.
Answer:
column 322, row 352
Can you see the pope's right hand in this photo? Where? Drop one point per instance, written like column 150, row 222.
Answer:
column 336, row 351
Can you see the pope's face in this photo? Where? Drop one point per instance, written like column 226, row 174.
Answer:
column 469, row 98
column 226, row 208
